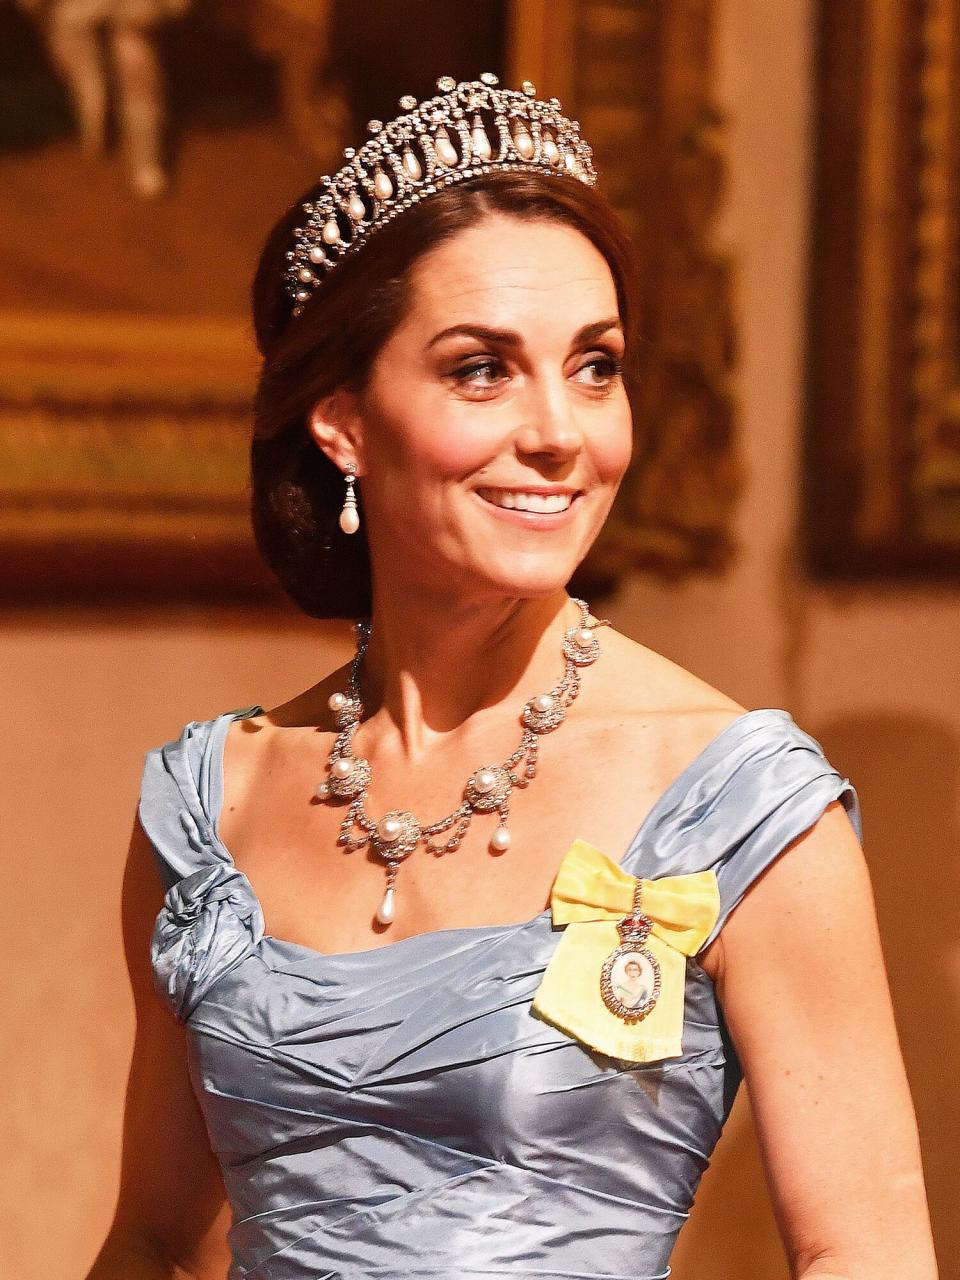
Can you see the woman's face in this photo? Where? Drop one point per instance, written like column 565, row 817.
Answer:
column 632, row 969
column 502, row 379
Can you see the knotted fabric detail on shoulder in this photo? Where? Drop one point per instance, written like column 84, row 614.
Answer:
column 590, row 894
column 209, row 922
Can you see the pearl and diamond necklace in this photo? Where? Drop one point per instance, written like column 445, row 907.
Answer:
column 396, row 835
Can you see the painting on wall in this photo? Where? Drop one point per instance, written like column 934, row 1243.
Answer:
column 882, row 474
column 142, row 162
column 143, row 159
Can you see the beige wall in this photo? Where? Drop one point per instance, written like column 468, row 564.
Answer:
column 873, row 674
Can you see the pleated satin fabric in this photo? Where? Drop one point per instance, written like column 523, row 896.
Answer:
column 403, row 1112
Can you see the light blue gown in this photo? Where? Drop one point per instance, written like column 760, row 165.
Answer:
column 401, row 1112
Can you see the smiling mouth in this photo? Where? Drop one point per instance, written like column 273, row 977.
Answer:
column 535, row 503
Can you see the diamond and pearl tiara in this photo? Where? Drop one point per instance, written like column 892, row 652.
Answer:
column 441, row 141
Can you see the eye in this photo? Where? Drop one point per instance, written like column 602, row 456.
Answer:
column 606, row 371
column 479, row 375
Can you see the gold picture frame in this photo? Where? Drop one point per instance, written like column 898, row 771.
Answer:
column 122, row 459
column 882, row 444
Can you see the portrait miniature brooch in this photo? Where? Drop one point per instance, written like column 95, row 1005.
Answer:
column 616, row 978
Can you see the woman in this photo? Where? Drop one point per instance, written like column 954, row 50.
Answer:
column 631, row 989
column 408, row 1064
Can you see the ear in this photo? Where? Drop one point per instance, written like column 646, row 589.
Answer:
column 336, row 427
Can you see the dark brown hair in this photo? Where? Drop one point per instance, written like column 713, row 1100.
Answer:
column 297, row 492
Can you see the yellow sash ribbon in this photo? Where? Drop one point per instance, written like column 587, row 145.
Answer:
column 590, row 894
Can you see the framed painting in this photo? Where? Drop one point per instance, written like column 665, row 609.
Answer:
column 130, row 227
column 882, row 444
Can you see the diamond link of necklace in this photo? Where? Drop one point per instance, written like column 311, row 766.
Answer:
column 398, row 833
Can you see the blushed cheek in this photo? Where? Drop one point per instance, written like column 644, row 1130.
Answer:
column 418, row 472
column 613, row 452
column 422, row 438
column 451, row 454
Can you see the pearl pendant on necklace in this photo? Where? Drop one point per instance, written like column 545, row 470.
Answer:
column 387, row 909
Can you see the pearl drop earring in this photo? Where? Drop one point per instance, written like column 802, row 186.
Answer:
column 349, row 519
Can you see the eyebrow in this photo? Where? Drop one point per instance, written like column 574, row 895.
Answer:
column 509, row 338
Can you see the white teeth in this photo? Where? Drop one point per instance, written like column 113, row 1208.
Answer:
column 515, row 501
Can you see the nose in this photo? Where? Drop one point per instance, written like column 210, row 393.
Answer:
column 549, row 421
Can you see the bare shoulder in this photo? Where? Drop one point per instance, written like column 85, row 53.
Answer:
column 257, row 746
column 646, row 686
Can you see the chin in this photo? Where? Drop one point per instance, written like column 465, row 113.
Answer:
column 539, row 583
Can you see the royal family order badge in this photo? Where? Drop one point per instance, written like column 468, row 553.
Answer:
column 630, row 977
column 616, row 978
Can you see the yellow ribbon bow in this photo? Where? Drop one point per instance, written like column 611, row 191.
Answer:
column 590, row 894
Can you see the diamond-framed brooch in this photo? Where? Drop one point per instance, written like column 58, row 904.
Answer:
column 351, row 782
column 581, row 646
column 630, row 976
column 488, row 787
column 543, row 713
column 396, row 835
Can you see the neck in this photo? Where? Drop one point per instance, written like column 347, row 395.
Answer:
column 433, row 664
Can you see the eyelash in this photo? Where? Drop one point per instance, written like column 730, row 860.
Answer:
column 613, row 365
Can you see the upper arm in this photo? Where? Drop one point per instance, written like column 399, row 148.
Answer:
column 801, row 980
column 171, row 1192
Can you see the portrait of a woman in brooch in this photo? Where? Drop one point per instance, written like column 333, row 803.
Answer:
column 630, row 988
column 369, row 926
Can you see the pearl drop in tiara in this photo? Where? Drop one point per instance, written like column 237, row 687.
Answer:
column 443, row 140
